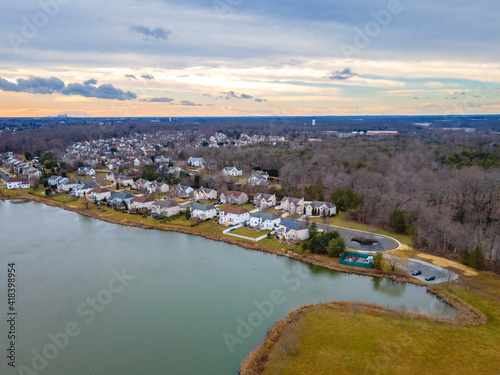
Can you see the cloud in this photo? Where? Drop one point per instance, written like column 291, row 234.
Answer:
column 190, row 103
column 147, row 76
column 158, row 100
column 38, row 85
column 233, row 95
column 33, row 85
column 130, row 76
column 157, row 34
column 342, row 75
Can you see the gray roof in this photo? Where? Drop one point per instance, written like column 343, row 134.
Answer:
column 264, row 215
column 315, row 204
column 164, row 203
column 262, row 195
column 121, row 195
column 201, row 207
column 293, row 200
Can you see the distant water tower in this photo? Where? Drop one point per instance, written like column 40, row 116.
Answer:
column 314, row 122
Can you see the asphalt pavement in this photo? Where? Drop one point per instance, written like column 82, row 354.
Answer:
column 441, row 274
column 384, row 243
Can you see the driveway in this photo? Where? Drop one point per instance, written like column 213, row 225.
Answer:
column 384, row 243
column 4, row 176
column 428, row 269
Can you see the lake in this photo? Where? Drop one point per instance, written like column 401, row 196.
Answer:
column 99, row 298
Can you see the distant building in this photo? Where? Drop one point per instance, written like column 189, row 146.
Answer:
column 196, row 162
column 382, row 132
column 232, row 171
column 18, row 183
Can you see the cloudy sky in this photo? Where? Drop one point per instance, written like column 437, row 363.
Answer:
column 241, row 57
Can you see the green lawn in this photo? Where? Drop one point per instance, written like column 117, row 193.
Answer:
column 250, row 233
column 337, row 342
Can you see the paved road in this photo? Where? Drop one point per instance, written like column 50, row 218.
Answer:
column 384, row 243
column 4, row 176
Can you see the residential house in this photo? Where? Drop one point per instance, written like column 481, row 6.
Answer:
column 259, row 179
column 293, row 231
column 293, row 205
column 33, row 173
column 137, row 203
column 165, row 208
column 140, row 184
column 86, row 171
column 99, row 194
column 202, row 211
column 263, row 201
column 112, row 176
column 234, row 197
column 232, row 171
column 82, row 189
column 196, row 162
column 53, row 181
column 264, row 220
column 123, row 180
column 318, row 208
column 156, row 187
column 18, row 183
column 183, row 191
column 205, row 194
column 161, row 159
column 67, row 185
column 120, row 197
column 233, row 216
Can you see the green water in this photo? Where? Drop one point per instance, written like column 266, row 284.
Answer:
column 175, row 307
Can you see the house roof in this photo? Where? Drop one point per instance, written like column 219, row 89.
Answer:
column 201, row 207
column 235, row 193
column 234, row 210
column 21, row 180
column 164, row 203
column 142, row 200
column 316, row 204
column 265, row 216
column 294, row 225
column 121, row 195
column 262, row 195
column 293, row 200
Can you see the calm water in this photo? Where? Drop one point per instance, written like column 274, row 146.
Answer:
column 175, row 306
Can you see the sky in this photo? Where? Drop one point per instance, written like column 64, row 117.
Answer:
column 130, row 58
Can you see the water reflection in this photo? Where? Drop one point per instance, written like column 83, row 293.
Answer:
column 389, row 287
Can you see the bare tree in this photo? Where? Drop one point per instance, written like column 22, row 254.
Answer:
column 85, row 201
column 393, row 261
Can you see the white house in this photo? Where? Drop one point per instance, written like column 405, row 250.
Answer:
column 264, row 220
column 318, row 208
column 196, row 162
column 156, row 187
column 205, row 194
column 161, row 159
column 263, row 201
column 98, row 194
column 33, row 173
column 67, row 185
column 234, row 197
column 233, row 216
column 140, row 202
column 232, row 171
column 81, row 190
column 54, row 180
column 202, row 211
column 183, row 191
column 292, row 230
column 18, row 183
column 293, row 205
column 86, row 171
column 258, row 180
column 165, row 208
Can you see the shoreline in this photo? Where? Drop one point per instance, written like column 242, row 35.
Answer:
column 468, row 314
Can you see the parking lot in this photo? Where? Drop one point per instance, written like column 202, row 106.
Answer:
column 428, row 269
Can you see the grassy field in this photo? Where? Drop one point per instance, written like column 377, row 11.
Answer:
column 250, row 233
column 341, row 221
column 337, row 342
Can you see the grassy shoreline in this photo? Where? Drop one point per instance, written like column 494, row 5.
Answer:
column 260, row 357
